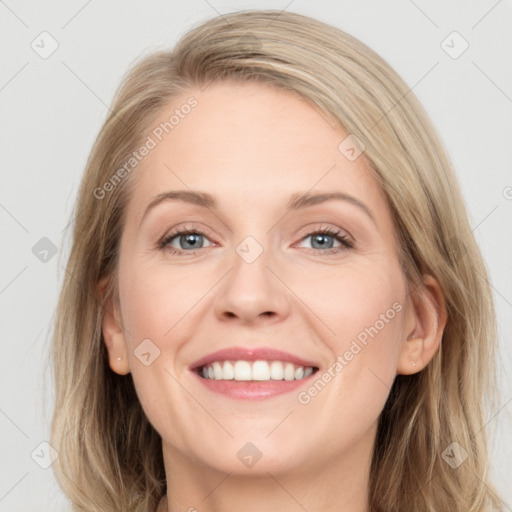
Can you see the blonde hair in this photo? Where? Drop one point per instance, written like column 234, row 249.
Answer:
column 110, row 457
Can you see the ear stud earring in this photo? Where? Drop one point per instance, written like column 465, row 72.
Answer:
column 119, row 358
column 413, row 362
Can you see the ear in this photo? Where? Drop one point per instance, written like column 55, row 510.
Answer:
column 428, row 320
column 113, row 333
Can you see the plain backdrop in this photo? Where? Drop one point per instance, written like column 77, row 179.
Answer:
column 52, row 107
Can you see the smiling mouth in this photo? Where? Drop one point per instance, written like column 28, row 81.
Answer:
column 259, row 371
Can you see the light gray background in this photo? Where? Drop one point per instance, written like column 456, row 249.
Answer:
column 52, row 110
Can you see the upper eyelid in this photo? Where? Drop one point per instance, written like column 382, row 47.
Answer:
column 204, row 231
column 175, row 233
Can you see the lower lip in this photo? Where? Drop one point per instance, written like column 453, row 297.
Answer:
column 251, row 390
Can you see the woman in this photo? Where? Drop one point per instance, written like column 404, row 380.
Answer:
column 326, row 340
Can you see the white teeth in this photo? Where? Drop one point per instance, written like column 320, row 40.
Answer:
column 242, row 370
column 260, row 370
column 228, row 371
column 217, row 370
column 255, row 371
column 289, row 371
column 276, row 370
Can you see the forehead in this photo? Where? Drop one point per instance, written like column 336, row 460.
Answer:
column 250, row 145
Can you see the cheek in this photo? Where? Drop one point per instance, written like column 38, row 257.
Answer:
column 362, row 302
column 157, row 307
column 366, row 312
column 151, row 307
column 364, row 309
column 154, row 300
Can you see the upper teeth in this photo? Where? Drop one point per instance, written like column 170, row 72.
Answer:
column 255, row 370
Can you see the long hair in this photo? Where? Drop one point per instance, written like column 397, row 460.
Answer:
column 110, row 456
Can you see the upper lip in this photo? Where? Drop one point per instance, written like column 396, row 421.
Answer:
column 251, row 354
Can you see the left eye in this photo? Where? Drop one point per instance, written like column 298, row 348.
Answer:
column 186, row 240
column 324, row 240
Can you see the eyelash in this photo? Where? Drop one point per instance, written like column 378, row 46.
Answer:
column 335, row 233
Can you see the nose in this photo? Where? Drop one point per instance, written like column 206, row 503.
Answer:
column 252, row 292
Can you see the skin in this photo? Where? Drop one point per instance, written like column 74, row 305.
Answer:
column 252, row 147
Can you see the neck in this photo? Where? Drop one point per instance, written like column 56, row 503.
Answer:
column 339, row 484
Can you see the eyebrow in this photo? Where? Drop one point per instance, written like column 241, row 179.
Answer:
column 297, row 201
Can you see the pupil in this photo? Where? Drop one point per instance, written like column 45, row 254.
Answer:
column 322, row 240
column 192, row 239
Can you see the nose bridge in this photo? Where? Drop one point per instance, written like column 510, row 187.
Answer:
column 251, row 289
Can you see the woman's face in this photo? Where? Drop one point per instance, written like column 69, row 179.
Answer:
column 256, row 272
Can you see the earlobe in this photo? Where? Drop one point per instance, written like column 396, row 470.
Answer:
column 411, row 356
column 113, row 333
column 430, row 317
